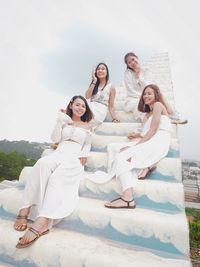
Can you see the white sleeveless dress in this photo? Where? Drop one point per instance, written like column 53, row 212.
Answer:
column 99, row 104
column 52, row 188
column 142, row 155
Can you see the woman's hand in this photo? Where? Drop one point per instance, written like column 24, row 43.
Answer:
column 94, row 78
column 63, row 110
column 115, row 120
column 54, row 145
column 133, row 135
column 124, row 148
column 83, row 160
column 137, row 70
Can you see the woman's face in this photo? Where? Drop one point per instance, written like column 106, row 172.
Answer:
column 101, row 72
column 149, row 96
column 132, row 62
column 78, row 107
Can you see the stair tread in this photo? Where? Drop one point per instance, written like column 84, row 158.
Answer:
column 157, row 190
column 160, row 191
column 64, row 248
column 139, row 221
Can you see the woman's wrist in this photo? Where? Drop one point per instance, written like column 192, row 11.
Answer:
column 94, row 81
column 115, row 120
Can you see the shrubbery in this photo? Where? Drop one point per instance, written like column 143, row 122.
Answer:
column 11, row 165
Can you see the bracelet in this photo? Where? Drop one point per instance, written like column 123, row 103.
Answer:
column 93, row 83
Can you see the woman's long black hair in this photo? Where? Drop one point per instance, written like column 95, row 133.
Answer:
column 87, row 116
column 95, row 90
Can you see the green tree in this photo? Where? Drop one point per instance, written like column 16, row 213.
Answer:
column 11, row 165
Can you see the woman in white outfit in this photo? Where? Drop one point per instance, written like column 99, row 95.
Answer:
column 135, row 79
column 128, row 163
column 101, row 94
column 51, row 191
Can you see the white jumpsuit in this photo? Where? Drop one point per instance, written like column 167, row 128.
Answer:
column 142, row 155
column 52, row 188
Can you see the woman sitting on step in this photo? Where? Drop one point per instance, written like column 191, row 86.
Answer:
column 135, row 79
column 51, row 191
column 101, row 94
column 130, row 163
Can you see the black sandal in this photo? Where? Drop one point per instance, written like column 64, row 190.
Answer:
column 128, row 206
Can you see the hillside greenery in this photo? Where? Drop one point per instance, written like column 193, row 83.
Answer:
column 11, row 165
column 32, row 150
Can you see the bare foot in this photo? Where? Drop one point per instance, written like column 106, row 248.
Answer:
column 143, row 174
column 21, row 220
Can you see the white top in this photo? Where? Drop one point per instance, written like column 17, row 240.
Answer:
column 102, row 96
column 64, row 130
column 165, row 124
column 135, row 85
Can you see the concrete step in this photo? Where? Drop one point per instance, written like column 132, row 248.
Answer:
column 168, row 169
column 70, row 249
column 100, row 142
column 141, row 227
column 123, row 128
column 151, row 194
column 122, row 116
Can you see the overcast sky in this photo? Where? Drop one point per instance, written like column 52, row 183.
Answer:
column 48, row 49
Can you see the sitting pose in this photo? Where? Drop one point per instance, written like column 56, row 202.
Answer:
column 101, row 94
column 51, row 191
column 133, row 162
column 135, row 79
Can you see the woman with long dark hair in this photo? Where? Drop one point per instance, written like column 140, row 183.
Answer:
column 51, row 191
column 132, row 162
column 101, row 94
column 135, row 79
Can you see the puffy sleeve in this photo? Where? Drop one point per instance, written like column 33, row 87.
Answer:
column 129, row 84
column 61, row 121
column 85, row 151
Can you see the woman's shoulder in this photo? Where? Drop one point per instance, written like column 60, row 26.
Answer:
column 128, row 72
column 158, row 105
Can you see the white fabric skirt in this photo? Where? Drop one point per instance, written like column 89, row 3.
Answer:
column 52, row 188
column 136, row 157
column 99, row 110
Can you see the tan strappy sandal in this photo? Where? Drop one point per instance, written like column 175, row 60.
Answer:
column 36, row 233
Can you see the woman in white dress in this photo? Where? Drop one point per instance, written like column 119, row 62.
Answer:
column 101, row 94
column 51, row 191
column 133, row 162
column 135, row 79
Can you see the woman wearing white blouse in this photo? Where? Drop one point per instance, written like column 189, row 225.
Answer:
column 51, row 191
column 135, row 79
column 101, row 94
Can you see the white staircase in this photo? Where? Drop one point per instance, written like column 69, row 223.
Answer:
column 154, row 234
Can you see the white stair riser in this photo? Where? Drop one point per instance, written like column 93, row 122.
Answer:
column 108, row 128
column 166, row 167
